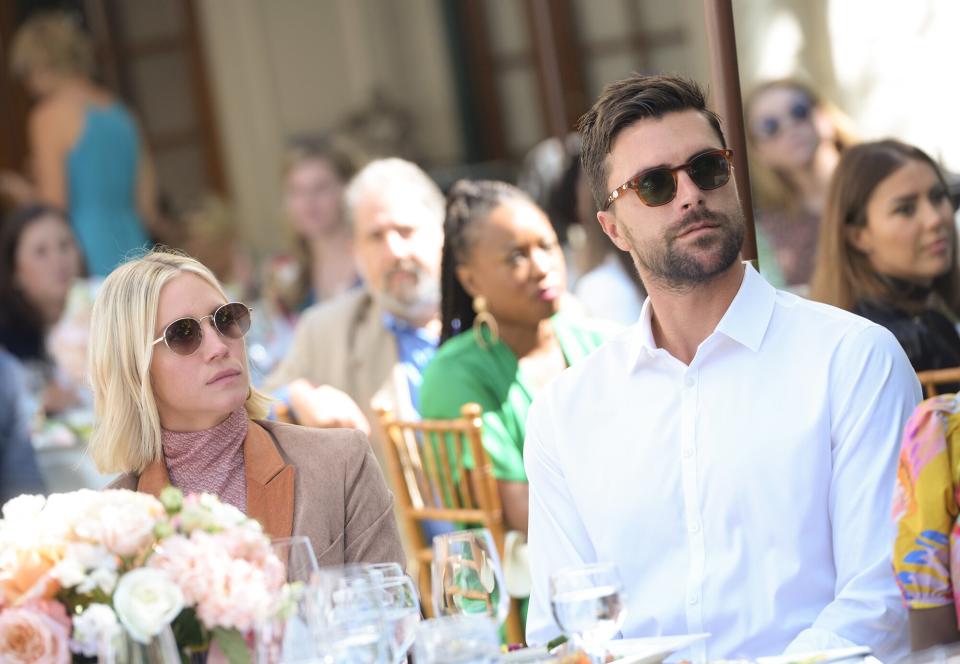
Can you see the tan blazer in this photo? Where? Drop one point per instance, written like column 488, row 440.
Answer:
column 343, row 343
column 322, row 483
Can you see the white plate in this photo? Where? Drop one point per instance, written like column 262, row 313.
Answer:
column 652, row 649
column 854, row 653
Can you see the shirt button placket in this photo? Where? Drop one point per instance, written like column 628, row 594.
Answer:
column 691, row 496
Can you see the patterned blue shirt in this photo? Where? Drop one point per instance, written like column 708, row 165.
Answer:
column 415, row 348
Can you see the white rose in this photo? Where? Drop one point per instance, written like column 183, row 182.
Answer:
column 97, row 625
column 69, row 572
column 23, row 508
column 146, row 601
column 104, row 579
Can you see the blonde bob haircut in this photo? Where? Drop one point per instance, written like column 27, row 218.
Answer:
column 52, row 41
column 126, row 433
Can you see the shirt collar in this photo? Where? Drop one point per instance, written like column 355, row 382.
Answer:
column 745, row 321
column 400, row 326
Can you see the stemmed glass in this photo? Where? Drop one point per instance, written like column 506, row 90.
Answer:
column 460, row 639
column 350, row 616
column 587, row 604
column 467, row 576
column 290, row 637
column 401, row 613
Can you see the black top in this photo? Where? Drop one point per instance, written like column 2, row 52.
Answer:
column 929, row 338
column 22, row 339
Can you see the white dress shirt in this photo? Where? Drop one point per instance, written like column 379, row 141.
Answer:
column 747, row 495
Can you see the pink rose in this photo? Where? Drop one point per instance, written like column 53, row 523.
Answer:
column 29, row 637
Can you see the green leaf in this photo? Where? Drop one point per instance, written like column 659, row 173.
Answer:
column 189, row 632
column 232, row 645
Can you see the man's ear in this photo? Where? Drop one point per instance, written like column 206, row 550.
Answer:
column 860, row 238
column 467, row 279
column 610, row 226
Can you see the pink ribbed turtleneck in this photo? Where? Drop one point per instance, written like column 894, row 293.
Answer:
column 210, row 461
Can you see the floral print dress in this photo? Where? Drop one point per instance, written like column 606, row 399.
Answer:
column 926, row 553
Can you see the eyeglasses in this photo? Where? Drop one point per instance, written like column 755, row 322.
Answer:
column 770, row 126
column 658, row 186
column 184, row 335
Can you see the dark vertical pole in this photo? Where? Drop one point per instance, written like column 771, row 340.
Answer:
column 552, row 28
column 725, row 84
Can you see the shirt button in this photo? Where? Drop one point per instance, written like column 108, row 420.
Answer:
column 689, row 381
column 687, row 452
column 694, row 598
column 694, row 527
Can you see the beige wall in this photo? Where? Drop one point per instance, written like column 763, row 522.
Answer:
column 887, row 63
column 282, row 67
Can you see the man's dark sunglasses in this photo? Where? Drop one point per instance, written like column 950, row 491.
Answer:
column 658, row 186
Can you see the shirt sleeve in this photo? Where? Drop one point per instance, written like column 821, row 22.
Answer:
column 370, row 534
column 557, row 536
column 925, row 508
column 873, row 391
column 18, row 464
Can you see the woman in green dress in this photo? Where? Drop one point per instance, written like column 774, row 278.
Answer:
column 504, row 336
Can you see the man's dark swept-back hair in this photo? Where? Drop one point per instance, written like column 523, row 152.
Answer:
column 623, row 103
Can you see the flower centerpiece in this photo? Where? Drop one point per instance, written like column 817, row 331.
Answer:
column 79, row 569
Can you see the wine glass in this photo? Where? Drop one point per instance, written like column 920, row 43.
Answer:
column 460, row 639
column 587, row 604
column 296, row 553
column 467, row 577
column 380, row 571
column 401, row 613
column 350, row 616
column 290, row 636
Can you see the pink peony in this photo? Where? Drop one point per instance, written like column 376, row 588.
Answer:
column 231, row 578
column 30, row 637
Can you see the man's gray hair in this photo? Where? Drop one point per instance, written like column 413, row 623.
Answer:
column 392, row 179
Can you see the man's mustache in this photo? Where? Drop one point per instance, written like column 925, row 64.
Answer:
column 696, row 217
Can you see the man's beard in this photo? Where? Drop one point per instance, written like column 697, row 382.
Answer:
column 414, row 304
column 679, row 269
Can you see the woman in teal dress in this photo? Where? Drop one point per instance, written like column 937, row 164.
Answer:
column 503, row 336
column 86, row 151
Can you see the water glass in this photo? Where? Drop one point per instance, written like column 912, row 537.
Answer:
column 401, row 614
column 381, row 571
column 350, row 618
column 292, row 635
column 587, row 603
column 296, row 553
column 458, row 639
column 467, row 576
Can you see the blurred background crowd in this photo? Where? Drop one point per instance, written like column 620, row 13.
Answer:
column 242, row 132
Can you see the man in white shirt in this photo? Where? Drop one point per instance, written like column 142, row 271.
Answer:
column 734, row 452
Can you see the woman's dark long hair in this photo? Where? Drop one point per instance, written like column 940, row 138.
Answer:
column 843, row 275
column 22, row 327
column 300, row 150
column 467, row 202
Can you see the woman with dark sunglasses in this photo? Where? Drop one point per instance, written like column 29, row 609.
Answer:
column 795, row 141
column 174, row 405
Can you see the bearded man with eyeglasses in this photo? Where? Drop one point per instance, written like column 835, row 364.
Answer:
column 734, row 452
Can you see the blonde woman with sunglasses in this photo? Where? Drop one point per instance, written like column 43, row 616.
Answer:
column 174, row 405
column 795, row 140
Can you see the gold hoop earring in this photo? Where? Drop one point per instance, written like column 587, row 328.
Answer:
column 484, row 317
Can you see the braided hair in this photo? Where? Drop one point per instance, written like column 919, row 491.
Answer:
column 467, row 202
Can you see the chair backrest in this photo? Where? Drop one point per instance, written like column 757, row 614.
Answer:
column 426, row 460
column 933, row 378
column 432, row 483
